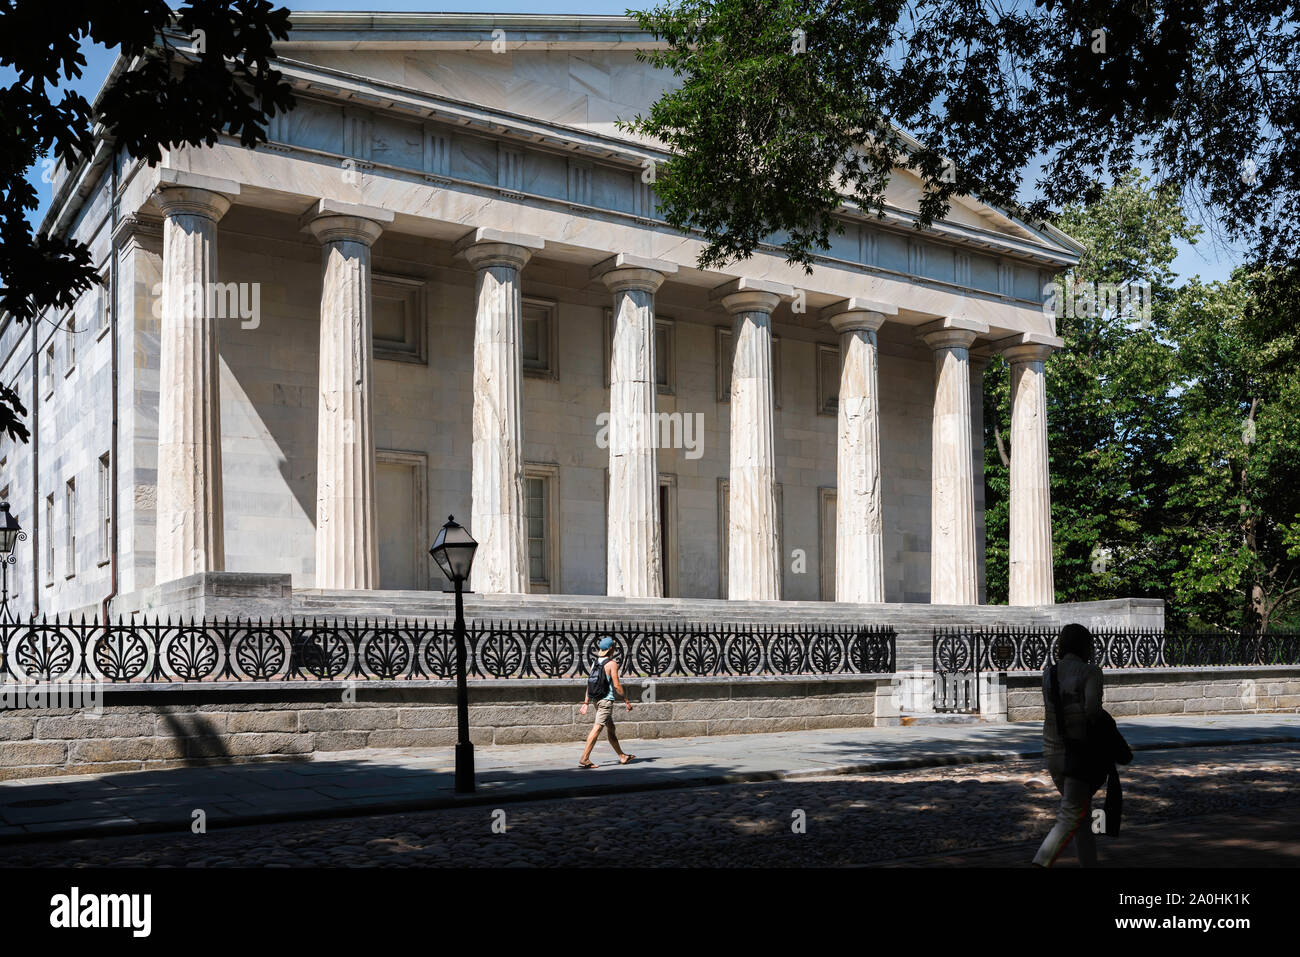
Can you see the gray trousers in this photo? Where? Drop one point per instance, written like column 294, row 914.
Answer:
column 1073, row 819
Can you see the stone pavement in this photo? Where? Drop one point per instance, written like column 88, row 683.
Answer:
column 353, row 783
column 1264, row 838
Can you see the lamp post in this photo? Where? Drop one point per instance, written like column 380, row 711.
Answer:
column 453, row 550
column 11, row 533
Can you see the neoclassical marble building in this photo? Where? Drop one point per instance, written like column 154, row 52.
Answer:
column 444, row 287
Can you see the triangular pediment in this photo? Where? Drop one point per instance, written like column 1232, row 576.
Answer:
column 571, row 73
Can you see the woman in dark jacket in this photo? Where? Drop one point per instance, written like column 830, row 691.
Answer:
column 1080, row 685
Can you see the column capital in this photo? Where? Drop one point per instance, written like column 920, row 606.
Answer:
column 625, row 271
column 953, row 332
column 192, row 201
column 181, row 193
column 850, row 315
column 751, row 295
column 333, row 222
column 485, row 247
column 1029, row 346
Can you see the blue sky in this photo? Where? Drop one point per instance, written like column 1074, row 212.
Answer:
column 1208, row 259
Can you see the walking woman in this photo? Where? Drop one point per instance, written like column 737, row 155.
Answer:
column 1072, row 702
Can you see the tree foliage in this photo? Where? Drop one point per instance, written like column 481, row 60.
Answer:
column 784, row 107
column 1110, row 416
column 1172, row 437
column 168, row 96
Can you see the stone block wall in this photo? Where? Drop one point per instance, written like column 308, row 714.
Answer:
column 1159, row 691
column 179, row 726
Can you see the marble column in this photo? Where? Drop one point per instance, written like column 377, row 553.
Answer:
column 954, row 564
column 347, row 535
column 190, row 515
column 1031, row 581
column 634, row 552
column 497, row 517
column 753, row 549
column 859, row 531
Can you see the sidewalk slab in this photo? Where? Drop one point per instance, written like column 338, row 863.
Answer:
column 383, row 781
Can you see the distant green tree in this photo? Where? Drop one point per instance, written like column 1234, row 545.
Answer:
column 1236, row 440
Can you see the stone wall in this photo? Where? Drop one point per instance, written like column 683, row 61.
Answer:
column 1154, row 691
column 170, row 726
column 178, row 726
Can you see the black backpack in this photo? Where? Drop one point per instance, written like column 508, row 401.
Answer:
column 598, row 681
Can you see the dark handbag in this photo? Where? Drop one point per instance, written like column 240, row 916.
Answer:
column 1105, row 736
column 1114, row 802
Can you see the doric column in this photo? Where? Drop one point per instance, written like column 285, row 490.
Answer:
column 1031, row 500
column 634, row 552
column 497, row 480
column 190, row 516
column 753, row 551
column 347, row 542
column 954, row 564
column 859, row 532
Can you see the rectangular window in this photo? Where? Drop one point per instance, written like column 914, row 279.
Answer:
column 668, row 533
column 105, row 510
column 398, row 318
column 826, row 521
column 48, row 531
column 541, row 503
column 539, row 338
column 103, row 302
column 723, row 358
column 828, row 379
column 665, row 356
column 536, row 508
column 49, row 371
column 70, row 525
column 71, row 327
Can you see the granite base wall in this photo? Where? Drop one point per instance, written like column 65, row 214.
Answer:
column 172, row 726
column 1157, row 691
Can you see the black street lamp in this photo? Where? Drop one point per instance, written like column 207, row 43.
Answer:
column 11, row 533
column 453, row 550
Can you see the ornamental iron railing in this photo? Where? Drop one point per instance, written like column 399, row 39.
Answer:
column 410, row 649
column 961, row 655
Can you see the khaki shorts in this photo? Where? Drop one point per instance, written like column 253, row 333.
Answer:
column 604, row 713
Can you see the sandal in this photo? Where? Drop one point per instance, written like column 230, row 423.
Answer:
column 587, row 764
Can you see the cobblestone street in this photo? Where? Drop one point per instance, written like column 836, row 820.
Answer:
column 1236, row 799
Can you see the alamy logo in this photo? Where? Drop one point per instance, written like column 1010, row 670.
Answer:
column 218, row 300
column 87, row 698
column 1071, row 298
column 75, row 909
column 664, row 430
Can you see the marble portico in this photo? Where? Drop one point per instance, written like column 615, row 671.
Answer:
column 462, row 275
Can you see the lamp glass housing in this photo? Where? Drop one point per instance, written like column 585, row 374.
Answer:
column 9, row 529
column 454, row 550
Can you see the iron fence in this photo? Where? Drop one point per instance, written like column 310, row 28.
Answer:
column 961, row 655
column 392, row 649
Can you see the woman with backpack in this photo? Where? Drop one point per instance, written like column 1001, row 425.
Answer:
column 602, row 684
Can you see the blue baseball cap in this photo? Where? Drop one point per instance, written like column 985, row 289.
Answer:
column 605, row 644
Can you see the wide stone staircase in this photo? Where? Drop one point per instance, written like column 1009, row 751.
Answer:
column 913, row 624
